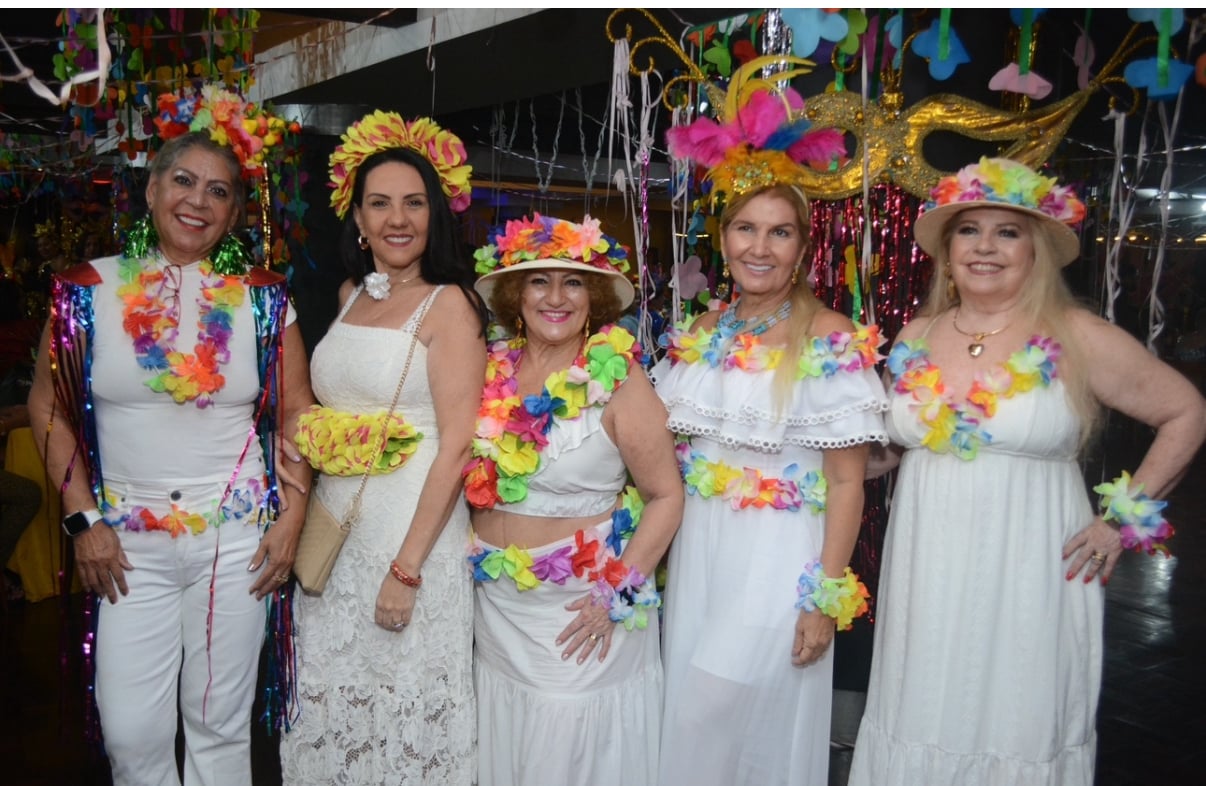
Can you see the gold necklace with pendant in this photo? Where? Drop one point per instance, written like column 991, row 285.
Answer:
column 976, row 348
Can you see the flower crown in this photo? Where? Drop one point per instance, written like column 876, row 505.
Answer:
column 762, row 136
column 386, row 130
column 246, row 128
column 540, row 237
column 1011, row 184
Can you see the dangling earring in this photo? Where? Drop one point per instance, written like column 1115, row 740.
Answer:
column 724, row 270
column 141, row 240
column 231, row 257
column 795, row 275
column 363, row 243
column 952, row 294
column 518, row 326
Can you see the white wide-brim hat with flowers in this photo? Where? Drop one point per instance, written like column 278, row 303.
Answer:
column 1003, row 183
column 542, row 243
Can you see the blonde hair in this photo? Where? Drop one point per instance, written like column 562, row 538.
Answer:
column 1046, row 305
column 804, row 304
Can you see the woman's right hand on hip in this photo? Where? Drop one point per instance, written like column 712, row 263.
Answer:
column 101, row 562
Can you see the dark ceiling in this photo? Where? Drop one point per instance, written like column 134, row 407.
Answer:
column 557, row 63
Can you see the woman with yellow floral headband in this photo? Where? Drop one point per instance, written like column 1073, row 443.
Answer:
column 775, row 401
column 163, row 376
column 567, row 666
column 988, row 637
column 385, row 651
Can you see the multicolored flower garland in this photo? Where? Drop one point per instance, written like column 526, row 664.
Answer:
column 250, row 131
column 626, row 593
column 822, row 357
column 541, row 237
column 154, row 325
column 956, row 428
column 843, row 599
column 242, row 503
column 343, row 443
column 746, row 486
column 1142, row 527
column 511, row 432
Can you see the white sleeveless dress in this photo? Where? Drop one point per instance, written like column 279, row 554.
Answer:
column 987, row 662
column 379, row 707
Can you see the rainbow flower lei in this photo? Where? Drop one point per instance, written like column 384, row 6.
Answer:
column 843, row 599
column 540, row 237
column 511, row 432
column 745, row 486
column 343, row 443
column 154, row 326
column 627, row 594
column 1142, row 526
column 247, row 129
column 956, row 428
column 824, row 356
column 241, row 504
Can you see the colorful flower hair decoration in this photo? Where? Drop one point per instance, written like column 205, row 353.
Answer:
column 541, row 242
column 387, row 130
column 1003, row 183
column 246, row 128
column 761, row 137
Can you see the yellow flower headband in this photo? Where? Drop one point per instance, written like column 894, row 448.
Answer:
column 386, row 130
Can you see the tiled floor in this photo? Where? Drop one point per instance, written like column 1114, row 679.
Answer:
column 1152, row 719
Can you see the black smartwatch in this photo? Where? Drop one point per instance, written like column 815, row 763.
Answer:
column 80, row 521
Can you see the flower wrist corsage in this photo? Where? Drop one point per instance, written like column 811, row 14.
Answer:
column 843, row 599
column 1141, row 525
column 628, row 599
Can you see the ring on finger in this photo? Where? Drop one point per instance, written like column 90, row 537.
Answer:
column 1098, row 556
column 594, row 637
column 399, row 625
column 281, row 577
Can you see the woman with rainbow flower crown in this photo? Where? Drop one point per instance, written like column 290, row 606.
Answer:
column 775, row 401
column 988, row 639
column 385, row 651
column 567, row 666
column 172, row 367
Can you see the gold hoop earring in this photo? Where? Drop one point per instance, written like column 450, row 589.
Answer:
column 952, row 294
column 363, row 243
column 518, row 326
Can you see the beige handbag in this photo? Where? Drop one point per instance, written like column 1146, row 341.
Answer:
column 322, row 535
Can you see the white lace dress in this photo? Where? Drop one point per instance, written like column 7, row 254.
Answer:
column 737, row 712
column 379, row 707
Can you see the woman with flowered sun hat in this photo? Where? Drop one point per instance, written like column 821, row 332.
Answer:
column 384, row 653
column 988, row 640
column 775, row 402
column 567, row 665
column 170, row 366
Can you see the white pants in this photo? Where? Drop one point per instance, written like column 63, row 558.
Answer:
column 154, row 639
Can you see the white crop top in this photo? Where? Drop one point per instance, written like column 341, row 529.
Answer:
column 580, row 474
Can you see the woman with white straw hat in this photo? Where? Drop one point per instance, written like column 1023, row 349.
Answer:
column 567, row 668
column 988, row 641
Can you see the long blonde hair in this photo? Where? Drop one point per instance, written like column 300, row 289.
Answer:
column 804, row 304
column 1046, row 306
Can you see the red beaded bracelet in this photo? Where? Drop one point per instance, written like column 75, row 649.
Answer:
column 403, row 577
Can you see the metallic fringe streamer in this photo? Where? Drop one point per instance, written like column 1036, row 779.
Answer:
column 895, row 287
